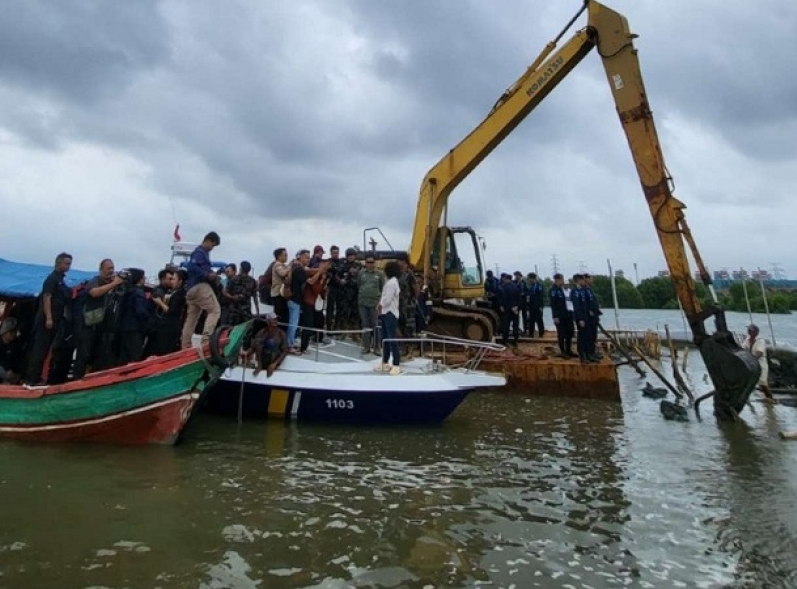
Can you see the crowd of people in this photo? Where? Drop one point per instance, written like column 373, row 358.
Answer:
column 114, row 318
column 575, row 309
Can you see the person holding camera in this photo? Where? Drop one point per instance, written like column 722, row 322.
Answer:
column 201, row 296
column 93, row 342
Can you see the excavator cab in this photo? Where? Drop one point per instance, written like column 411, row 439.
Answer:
column 461, row 262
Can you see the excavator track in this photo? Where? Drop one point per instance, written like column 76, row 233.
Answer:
column 464, row 322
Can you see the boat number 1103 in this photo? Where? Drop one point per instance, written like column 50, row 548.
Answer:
column 339, row 404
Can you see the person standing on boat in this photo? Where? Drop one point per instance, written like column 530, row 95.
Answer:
column 347, row 315
column 176, row 313
column 157, row 340
column 409, row 297
column 388, row 310
column 508, row 298
column 491, row 286
column 580, row 316
column 562, row 318
column 50, row 317
column 334, row 290
column 280, row 271
column 241, row 290
column 536, row 303
column 758, row 348
column 135, row 318
column 370, row 283
column 294, row 287
column 94, row 340
column 201, row 296
column 593, row 319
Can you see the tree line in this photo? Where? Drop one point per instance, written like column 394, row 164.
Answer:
column 659, row 293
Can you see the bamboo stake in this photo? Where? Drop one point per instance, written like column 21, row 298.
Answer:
column 679, row 379
column 622, row 350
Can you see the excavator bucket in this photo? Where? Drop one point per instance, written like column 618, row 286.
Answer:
column 733, row 370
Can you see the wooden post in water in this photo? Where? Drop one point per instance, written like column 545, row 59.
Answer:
column 674, row 361
column 614, row 295
column 746, row 298
column 766, row 308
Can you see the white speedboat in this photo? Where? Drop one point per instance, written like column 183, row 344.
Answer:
column 334, row 383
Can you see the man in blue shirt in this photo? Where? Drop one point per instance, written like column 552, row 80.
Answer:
column 200, row 296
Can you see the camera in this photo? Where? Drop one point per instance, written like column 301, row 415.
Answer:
column 124, row 275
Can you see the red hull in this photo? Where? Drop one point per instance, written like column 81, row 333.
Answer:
column 159, row 423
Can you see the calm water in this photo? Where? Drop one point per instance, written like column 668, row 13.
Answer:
column 511, row 491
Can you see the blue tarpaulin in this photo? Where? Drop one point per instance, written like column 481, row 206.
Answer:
column 19, row 280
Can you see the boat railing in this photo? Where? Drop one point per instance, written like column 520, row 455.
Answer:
column 427, row 343
column 435, row 344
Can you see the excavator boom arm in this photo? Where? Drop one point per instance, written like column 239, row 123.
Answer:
column 517, row 102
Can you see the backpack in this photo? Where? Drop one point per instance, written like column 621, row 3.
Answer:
column 264, row 285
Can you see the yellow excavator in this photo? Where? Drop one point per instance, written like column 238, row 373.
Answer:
column 455, row 287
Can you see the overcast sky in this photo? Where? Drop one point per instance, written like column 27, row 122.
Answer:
column 303, row 122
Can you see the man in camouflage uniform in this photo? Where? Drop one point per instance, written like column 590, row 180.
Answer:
column 241, row 290
column 408, row 299
column 347, row 316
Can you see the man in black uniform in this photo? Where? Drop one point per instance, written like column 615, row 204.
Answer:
column 50, row 317
column 536, row 303
column 508, row 298
column 334, row 288
column 562, row 318
column 593, row 318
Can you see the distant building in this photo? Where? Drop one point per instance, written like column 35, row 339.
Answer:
column 619, row 273
column 722, row 274
column 761, row 275
column 664, row 274
column 740, row 274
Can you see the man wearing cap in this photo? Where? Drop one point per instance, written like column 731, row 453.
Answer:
column 318, row 257
column 11, row 352
column 593, row 319
column 370, row 282
column 269, row 347
column 562, row 317
column 201, row 296
column 580, row 316
column 536, row 303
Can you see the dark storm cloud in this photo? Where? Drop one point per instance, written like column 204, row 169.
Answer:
column 79, row 50
column 264, row 112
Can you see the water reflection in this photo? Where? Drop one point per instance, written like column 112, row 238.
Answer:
column 511, row 491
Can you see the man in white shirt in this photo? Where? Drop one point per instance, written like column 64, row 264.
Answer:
column 758, row 348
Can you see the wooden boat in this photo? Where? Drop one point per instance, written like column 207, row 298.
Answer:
column 141, row 403
column 332, row 383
